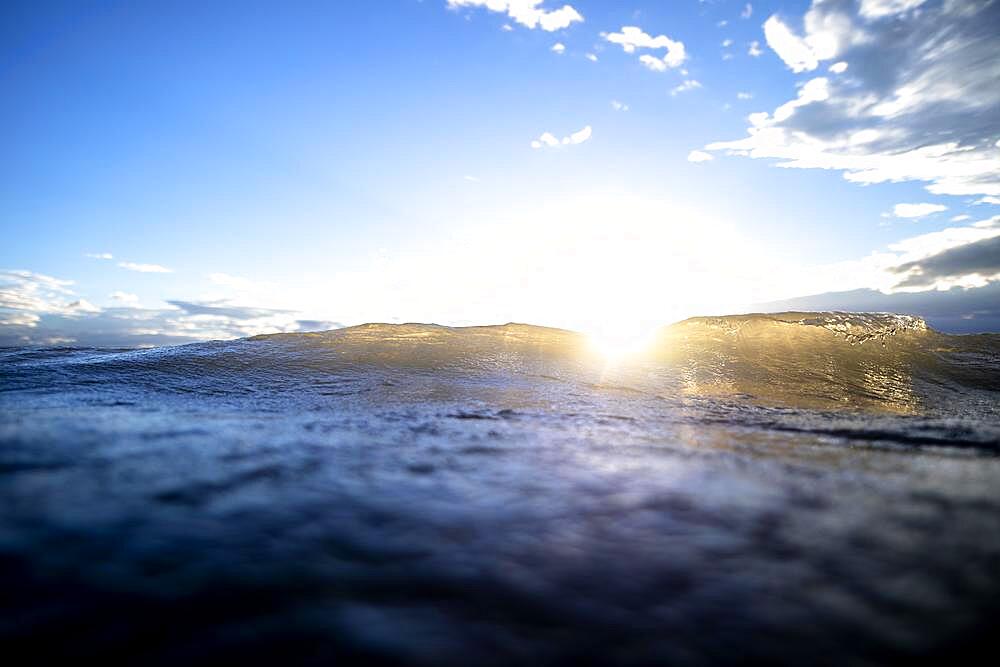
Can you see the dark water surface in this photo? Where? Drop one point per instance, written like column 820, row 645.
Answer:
column 798, row 489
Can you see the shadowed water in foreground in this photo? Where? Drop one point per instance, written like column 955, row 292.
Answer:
column 820, row 488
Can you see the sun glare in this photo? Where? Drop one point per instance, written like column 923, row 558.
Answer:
column 621, row 340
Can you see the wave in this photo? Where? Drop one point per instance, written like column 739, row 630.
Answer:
column 872, row 360
column 869, row 361
column 850, row 360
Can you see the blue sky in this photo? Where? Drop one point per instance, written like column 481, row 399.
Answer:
column 176, row 171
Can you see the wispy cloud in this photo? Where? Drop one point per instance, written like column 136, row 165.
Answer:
column 125, row 297
column 876, row 9
column 685, row 86
column 144, row 268
column 699, row 156
column 99, row 255
column 916, row 210
column 559, row 48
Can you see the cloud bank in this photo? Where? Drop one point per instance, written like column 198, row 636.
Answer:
column 913, row 95
column 37, row 309
column 980, row 259
column 954, row 257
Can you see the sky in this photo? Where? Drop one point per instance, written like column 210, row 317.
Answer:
column 182, row 171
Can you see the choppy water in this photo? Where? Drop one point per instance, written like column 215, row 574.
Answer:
column 794, row 488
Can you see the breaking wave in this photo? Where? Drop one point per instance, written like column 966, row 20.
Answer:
column 862, row 361
column 819, row 360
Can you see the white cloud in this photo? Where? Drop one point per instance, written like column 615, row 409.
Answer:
column 632, row 37
column 125, row 297
column 82, row 306
column 829, row 31
column 988, row 200
column 699, row 156
column 838, row 68
column 789, row 47
column 744, row 96
column 559, row 48
column 919, row 104
column 527, row 12
column 129, row 325
column 726, row 43
column 918, row 265
column 619, row 106
column 40, row 309
column 916, row 210
column 925, row 245
column 686, row 85
column 26, row 296
column 653, row 63
column 55, row 285
column 471, row 179
column 18, row 319
column 876, row 9
column 754, row 50
column 99, row 255
column 960, row 218
column 591, row 57
column 747, row 11
column 547, row 139
column 144, row 268
column 910, row 265
column 579, row 136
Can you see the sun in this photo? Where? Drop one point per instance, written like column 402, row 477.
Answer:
column 617, row 341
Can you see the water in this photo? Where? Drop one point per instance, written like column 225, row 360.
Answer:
column 793, row 488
